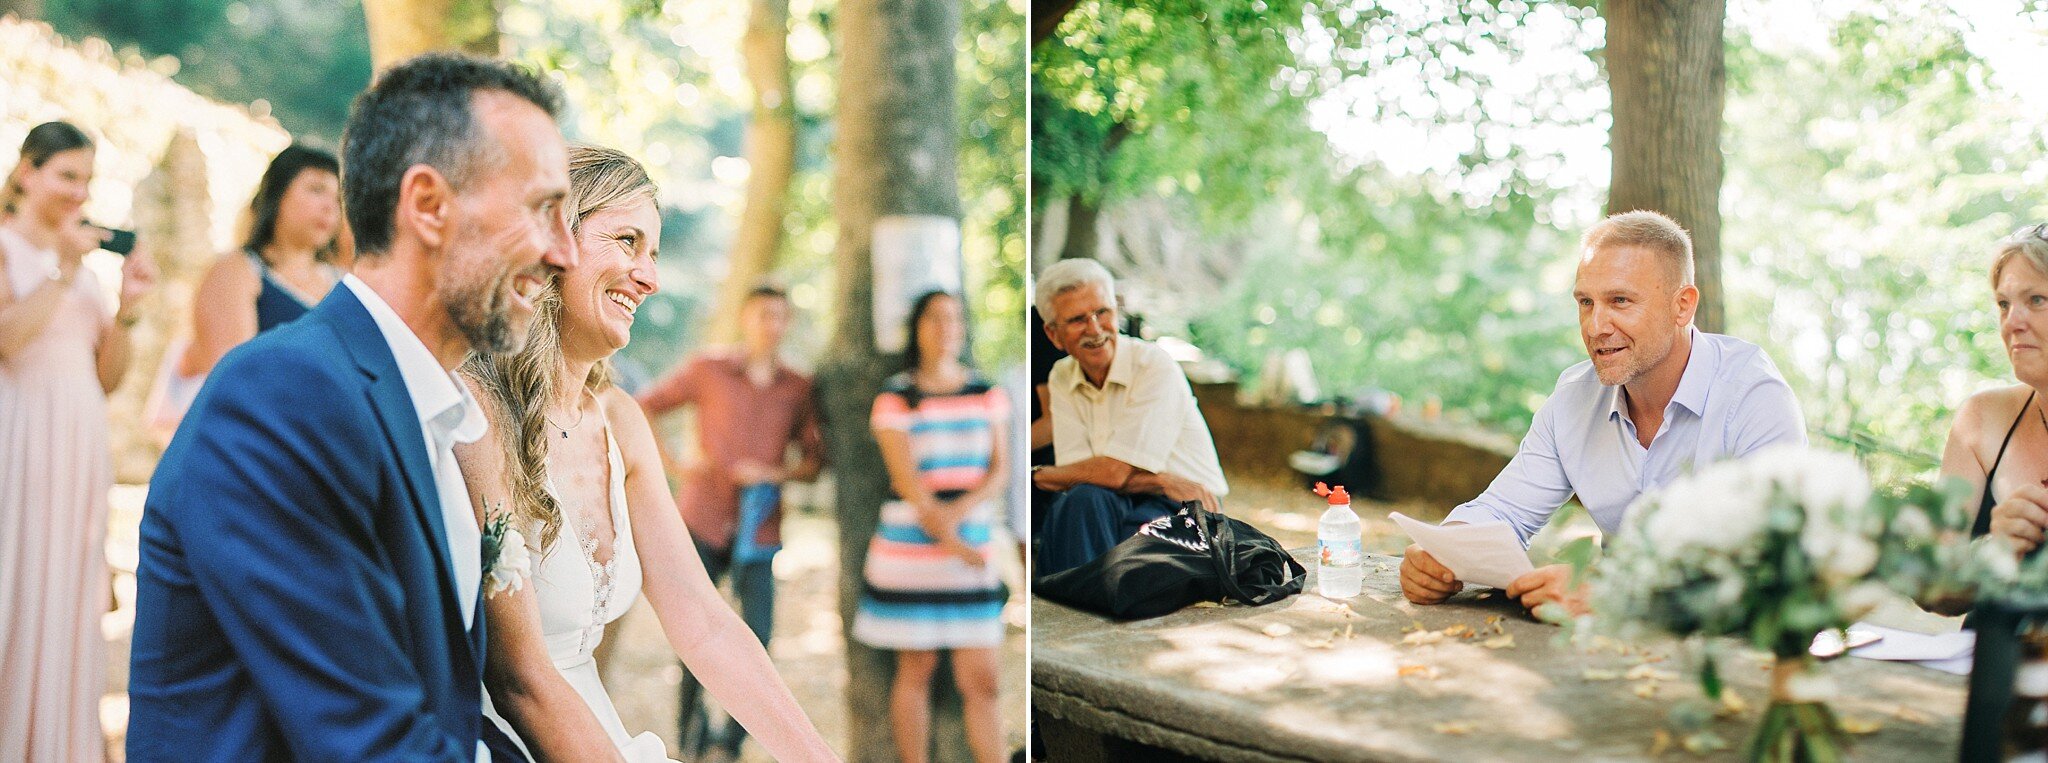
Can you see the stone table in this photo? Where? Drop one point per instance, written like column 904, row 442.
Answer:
column 1306, row 680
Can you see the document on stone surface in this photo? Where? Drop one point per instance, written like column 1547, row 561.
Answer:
column 1488, row 553
column 1907, row 646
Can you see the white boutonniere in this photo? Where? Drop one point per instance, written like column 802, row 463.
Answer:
column 506, row 562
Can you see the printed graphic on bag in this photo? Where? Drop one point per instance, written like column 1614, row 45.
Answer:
column 1190, row 537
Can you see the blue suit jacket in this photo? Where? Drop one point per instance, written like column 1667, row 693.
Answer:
column 294, row 599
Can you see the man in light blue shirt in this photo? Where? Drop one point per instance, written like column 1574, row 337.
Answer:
column 1657, row 398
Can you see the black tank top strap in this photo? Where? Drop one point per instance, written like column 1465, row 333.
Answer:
column 1983, row 523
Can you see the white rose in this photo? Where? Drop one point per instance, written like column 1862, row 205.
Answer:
column 1912, row 523
column 509, row 572
column 1863, row 598
column 1853, row 558
column 1721, row 508
column 1995, row 555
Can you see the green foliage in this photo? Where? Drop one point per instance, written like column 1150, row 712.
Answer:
column 991, row 166
column 1867, row 184
column 1164, row 95
column 1870, row 169
column 663, row 82
column 306, row 58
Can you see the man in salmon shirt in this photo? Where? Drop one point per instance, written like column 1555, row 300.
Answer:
column 750, row 408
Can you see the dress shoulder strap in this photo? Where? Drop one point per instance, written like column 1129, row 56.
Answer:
column 1984, row 506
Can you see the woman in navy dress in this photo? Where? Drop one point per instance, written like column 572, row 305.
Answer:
column 284, row 267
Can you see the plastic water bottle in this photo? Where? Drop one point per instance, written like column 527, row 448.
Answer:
column 1340, row 547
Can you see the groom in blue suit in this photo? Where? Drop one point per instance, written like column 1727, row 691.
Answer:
column 309, row 583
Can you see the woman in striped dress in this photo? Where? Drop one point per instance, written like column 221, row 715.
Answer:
column 930, row 581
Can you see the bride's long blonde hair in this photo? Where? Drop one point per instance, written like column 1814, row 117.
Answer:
column 521, row 384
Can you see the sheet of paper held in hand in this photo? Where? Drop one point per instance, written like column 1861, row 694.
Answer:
column 1488, row 554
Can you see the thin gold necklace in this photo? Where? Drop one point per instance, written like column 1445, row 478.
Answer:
column 580, row 413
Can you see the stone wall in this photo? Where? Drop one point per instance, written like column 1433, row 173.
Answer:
column 175, row 166
column 1434, row 463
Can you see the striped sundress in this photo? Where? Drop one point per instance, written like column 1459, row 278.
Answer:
column 918, row 596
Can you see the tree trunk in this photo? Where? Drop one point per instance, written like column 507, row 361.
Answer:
column 1084, row 234
column 895, row 153
column 1666, row 71
column 1046, row 16
column 771, row 157
column 401, row 29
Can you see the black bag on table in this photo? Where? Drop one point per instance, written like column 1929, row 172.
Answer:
column 1174, row 561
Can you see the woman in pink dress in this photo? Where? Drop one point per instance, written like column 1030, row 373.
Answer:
column 61, row 351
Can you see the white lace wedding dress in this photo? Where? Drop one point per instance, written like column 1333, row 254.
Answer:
column 578, row 595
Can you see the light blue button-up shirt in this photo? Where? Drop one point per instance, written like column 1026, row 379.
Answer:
column 1731, row 401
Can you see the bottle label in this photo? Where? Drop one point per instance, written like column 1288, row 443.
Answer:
column 1341, row 552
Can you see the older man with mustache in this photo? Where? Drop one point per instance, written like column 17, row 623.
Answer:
column 1656, row 398
column 1129, row 443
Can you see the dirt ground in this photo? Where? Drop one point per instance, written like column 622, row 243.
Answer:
column 644, row 674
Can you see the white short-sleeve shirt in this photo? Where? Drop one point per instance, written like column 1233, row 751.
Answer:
column 1144, row 414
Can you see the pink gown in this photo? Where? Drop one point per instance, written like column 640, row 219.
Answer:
column 55, row 471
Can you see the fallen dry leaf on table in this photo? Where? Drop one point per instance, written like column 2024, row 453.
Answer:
column 1419, row 638
column 1206, row 604
column 1910, row 715
column 1460, row 630
column 1660, row 743
column 1731, row 704
column 1703, row 742
column 1495, row 622
column 1428, row 672
column 1861, row 725
column 1277, row 630
column 1503, row 641
column 1646, row 671
column 1454, row 728
column 1414, row 625
column 1597, row 674
column 1645, row 690
column 1347, row 631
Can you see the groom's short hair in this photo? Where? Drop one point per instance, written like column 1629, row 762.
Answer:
column 421, row 112
column 1646, row 230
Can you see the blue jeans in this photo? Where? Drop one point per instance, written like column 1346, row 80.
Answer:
column 754, row 584
column 1086, row 521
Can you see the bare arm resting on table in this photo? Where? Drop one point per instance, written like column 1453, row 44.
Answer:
column 709, row 637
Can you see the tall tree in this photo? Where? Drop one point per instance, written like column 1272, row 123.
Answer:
column 1666, row 69
column 23, row 9
column 771, row 158
column 895, row 154
column 401, row 29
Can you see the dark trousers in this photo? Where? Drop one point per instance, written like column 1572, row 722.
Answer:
column 1086, row 521
column 754, row 584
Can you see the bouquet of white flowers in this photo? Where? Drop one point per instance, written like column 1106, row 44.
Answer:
column 1774, row 549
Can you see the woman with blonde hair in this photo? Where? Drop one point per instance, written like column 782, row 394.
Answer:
column 61, row 351
column 572, row 466
column 1999, row 438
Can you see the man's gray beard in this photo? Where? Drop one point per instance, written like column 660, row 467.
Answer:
column 480, row 314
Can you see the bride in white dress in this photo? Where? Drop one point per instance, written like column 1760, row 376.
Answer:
column 573, row 462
